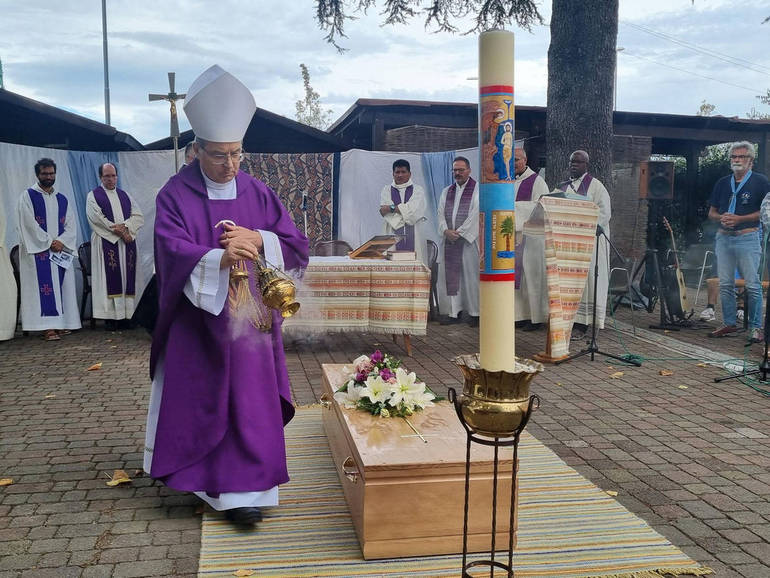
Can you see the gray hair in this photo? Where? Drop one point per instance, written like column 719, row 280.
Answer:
column 582, row 152
column 744, row 144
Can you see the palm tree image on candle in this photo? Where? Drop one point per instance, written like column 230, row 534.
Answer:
column 506, row 230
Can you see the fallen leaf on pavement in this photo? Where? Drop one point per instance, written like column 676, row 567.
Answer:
column 616, row 375
column 666, row 372
column 558, row 383
column 95, row 366
column 702, row 364
column 50, row 395
column 612, row 493
column 119, row 477
column 244, row 573
column 682, row 387
column 6, row 481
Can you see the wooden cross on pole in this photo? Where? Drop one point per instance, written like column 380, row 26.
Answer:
column 172, row 97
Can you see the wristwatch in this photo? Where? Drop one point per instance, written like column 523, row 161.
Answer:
column 393, row 208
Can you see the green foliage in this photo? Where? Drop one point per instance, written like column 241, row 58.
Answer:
column 441, row 14
column 309, row 110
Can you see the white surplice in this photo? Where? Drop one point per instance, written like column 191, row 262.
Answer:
column 598, row 194
column 467, row 298
column 121, row 306
column 532, row 295
column 409, row 213
column 8, row 293
column 32, row 240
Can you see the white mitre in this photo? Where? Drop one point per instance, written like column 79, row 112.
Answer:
column 219, row 106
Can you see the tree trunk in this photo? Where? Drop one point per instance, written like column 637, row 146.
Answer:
column 581, row 73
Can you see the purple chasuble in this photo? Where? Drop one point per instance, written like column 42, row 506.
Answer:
column 524, row 188
column 453, row 252
column 111, row 250
column 407, row 243
column 226, row 395
column 42, row 259
column 582, row 189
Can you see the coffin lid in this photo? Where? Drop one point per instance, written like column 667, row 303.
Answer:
column 388, row 447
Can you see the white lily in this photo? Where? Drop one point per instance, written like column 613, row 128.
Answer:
column 376, row 389
column 405, row 388
column 349, row 398
column 423, row 399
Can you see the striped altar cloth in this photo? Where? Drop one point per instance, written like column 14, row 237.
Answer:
column 567, row 526
column 569, row 226
column 368, row 295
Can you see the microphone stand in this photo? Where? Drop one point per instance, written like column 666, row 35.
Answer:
column 593, row 348
column 304, row 209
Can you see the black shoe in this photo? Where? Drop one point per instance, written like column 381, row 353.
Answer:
column 110, row 325
column 521, row 324
column 124, row 325
column 473, row 320
column 532, row 327
column 244, row 516
column 447, row 320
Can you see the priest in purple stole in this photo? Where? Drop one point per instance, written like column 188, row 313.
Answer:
column 115, row 219
column 531, row 286
column 583, row 185
column 458, row 227
column 403, row 206
column 47, row 229
column 220, row 389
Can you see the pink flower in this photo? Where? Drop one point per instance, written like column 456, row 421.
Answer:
column 377, row 356
column 361, row 376
column 386, row 374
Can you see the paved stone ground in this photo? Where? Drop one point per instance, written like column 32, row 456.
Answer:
column 688, row 455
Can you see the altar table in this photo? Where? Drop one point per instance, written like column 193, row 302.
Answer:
column 367, row 295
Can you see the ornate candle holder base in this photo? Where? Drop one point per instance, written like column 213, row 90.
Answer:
column 496, row 405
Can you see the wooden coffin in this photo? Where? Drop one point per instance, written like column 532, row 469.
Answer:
column 406, row 495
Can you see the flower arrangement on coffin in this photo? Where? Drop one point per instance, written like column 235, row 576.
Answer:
column 378, row 384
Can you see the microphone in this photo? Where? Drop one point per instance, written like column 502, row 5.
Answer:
column 304, row 201
column 561, row 184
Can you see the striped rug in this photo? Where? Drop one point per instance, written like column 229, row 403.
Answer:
column 567, row 526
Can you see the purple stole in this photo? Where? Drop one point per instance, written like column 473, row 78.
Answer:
column 524, row 190
column 407, row 243
column 523, row 193
column 582, row 189
column 111, row 251
column 42, row 259
column 453, row 252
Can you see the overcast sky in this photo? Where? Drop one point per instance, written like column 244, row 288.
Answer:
column 52, row 52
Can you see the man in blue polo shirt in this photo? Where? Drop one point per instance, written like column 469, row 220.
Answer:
column 735, row 203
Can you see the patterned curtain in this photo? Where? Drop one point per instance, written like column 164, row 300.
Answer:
column 291, row 175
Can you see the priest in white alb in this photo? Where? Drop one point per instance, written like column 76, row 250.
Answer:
column 458, row 227
column 531, row 304
column 47, row 243
column 115, row 219
column 583, row 185
column 403, row 206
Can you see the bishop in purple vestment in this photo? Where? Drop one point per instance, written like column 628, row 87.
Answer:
column 221, row 394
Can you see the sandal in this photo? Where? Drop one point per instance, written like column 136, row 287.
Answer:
column 63, row 331
column 51, row 335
